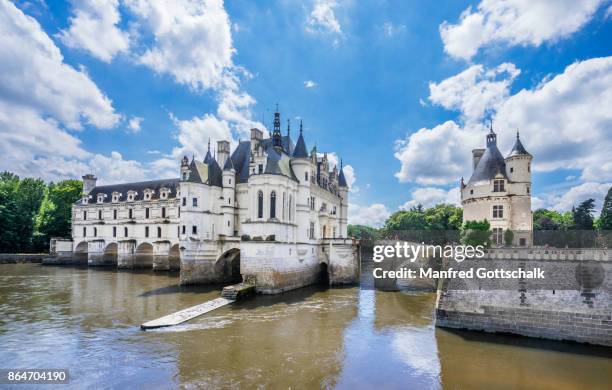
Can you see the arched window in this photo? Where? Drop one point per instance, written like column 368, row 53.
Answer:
column 273, row 204
column 158, row 232
column 260, row 204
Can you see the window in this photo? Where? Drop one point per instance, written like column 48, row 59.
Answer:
column 99, row 214
column 511, row 169
column 529, row 167
column 184, row 202
column 183, row 229
column 230, row 181
column 146, row 231
column 125, row 232
column 471, row 192
column 290, row 204
column 194, row 202
column 306, row 176
column 260, row 168
column 146, row 212
column 498, row 186
column 334, row 210
column 498, row 235
column 114, row 231
column 260, row 204
column 185, row 174
column 130, row 213
column 84, row 215
column 163, row 212
column 528, row 189
column 522, row 241
column 312, row 202
column 229, row 200
column 178, row 231
column 158, row 232
column 228, row 223
column 498, row 211
column 273, row 204
column 95, row 231
column 114, row 214
column 194, row 229
column 84, row 231
column 311, row 231
column 334, row 233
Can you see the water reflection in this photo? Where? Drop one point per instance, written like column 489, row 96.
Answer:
column 87, row 320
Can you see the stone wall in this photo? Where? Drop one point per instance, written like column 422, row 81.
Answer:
column 574, row 302
column 11, row 258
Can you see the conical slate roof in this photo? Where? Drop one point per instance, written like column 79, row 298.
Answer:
column 491, row 163
column 300, row 148
column 229, row 165
column 342, row 179
column 518, row 149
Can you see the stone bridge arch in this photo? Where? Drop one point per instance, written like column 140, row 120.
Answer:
column 174, row 257
column 227, row 266
column 81, row 252
column 111, row 253
column 143, row 255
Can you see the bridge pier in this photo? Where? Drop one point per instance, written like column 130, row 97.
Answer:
column 161, row 255
column 125, row 254
column 95, row 253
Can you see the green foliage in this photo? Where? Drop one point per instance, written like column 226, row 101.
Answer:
column 476, row 233
column 32, row 212
column 605, row 218
column 508, row 237
column 439, row 217
column 544, row 219
column 583, row 215
column 366, row 234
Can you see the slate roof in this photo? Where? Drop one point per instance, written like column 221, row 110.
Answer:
column 139, row 187
column 300, row 149
column 241, row 156
column 207, row 173
column 342, row 179
column 228, row 166
column 518, row 149
column 279, row 163
column 491, row 163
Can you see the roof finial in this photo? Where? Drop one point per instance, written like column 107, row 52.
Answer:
column 491, row 125
column 288, row 127
column 209, row 144
column 300, row 126
column 341, row 165
column 517, row 133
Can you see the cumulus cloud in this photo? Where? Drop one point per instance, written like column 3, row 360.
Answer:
column 373, row 215
column 476, row 91
column 431, row 196
column 322, row 18
column 41, row 99
column 515, row 22
column 93, row 28
column 310, row 84
column 577, row 194
column 564, row 122
column 134, row 124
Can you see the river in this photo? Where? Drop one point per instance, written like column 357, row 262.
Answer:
column 87, row 320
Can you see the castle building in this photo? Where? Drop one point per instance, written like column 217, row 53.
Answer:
column 499, row 191
column 270, row 212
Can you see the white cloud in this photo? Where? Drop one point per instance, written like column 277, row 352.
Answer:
column 93, row 27
column 40, row 98
column 114, row 169
column 349, row 171
column 580, row 193
column 134, row 124
column 475, row 91
column 515, row 22
column 390, row 29
column 373, row 215
column 564, row 122
column 322, row 18
column 310, row 84
column 431, row 196
column 192, row 40
column 195, row 133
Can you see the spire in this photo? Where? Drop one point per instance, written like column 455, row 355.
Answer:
column 229, row 165
column 491, row 137
column 341, row 178
column 288, row 128
column 208, row 157
column 300, row 150
column 518, row 149
column 276, row 134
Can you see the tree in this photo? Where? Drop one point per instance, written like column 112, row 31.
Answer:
column 544, row 219
column 605, row 218
column 55, row 213
column 366, row 234
column 476, row 233
column 582, row 215
column 508, row 237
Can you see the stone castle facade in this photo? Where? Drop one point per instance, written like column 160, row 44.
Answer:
column 499, row 191
column 270, row 211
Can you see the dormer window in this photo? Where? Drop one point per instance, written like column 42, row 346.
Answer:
column 163, row 193
column 148, row 194
column 85, row 199
column 131, row 196
column 498, row 186
column 116, row 196
column 101, row 198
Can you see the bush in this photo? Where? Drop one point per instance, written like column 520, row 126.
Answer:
column 245, row 237
column 508, row 237
column 271, row 237
column 476, row 233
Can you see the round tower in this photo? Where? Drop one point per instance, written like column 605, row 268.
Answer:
column 343, row 190
column 229, row 198
column 518, row 167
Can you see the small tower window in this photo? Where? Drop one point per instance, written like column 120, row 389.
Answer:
column 194, row 229
column 95, row 231
column 498, row 211
column 84, row 231
column 159, row 232
column 114, row 231
column 147, row 212
column 306, row 176
column 84, row 215
column 498, row 186
column 114, row 214
column 260, row 168
column 195, row 202
column 511, row 169
column 529, row 167
column 273, row 205
column 130, row 213
column 471, row 192
column 99, row 214
column 260, row 204
column 528, row 190
column 146, row 231
column 163, row 212
column 125, row 232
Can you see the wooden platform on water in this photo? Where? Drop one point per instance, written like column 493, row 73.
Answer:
column 187, row 314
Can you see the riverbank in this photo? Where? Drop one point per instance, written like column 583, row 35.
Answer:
column 18, row 258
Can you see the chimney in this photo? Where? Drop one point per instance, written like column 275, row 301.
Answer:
column 89, row 182
column 476, row 155
column 223, row 152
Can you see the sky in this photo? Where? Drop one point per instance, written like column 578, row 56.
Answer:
column 401, row 91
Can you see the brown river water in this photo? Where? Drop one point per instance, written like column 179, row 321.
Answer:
column 87, row 320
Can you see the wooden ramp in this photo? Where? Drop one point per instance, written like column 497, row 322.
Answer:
column 186, row 314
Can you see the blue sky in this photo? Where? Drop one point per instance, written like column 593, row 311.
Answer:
column 401, row 91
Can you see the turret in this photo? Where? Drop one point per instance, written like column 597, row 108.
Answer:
column 518, row 163
column 89, row 182
column 343, row 191
column 223, row 152
column 277, row 139
column 229, row 197
column 184, row 168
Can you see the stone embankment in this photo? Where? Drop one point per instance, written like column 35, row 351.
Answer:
column 15, row 258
